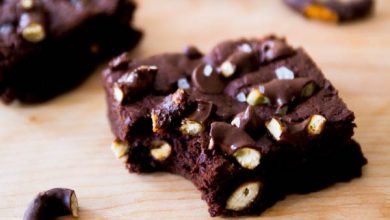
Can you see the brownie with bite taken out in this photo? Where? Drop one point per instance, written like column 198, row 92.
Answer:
column 247, row 123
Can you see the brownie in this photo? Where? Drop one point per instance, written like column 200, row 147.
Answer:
column 247, row 123
column 49, row 47
column 332, row 10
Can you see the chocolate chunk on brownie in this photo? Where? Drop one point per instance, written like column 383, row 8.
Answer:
column 247, row 123
column 49, row 47
column 332, row 10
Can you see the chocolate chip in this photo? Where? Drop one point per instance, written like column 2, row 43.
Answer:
column 295, row 132
column 207, row 80
column 203, row 111
column 230, row 138
column 300, row 133
column 283, row 92
column 248, row 120
column 51, row 204
column 192, row 52
column 135, row 84
column 240, row 61
column 274, row 48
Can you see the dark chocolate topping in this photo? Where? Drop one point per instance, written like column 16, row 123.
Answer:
column 203, row 111
column 275, row 48
column 244, row 61
column 248, row 120
column 230, row 138
column 207, row 80
column 173, row 68
column 137, row 83
column 283, row 92
column 192, row 52
column 296, row 132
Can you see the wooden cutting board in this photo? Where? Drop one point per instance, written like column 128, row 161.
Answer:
column 65, row 142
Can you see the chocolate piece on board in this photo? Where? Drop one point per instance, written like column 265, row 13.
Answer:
column 332, row 10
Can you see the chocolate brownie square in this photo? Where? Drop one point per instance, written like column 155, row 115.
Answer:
column 49, row 47
column 247, row 123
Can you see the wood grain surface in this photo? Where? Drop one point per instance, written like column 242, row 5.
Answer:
column 65, row 142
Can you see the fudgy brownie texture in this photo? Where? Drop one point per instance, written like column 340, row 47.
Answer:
column 48, row 47
column 248, row 123
column 332, row 10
